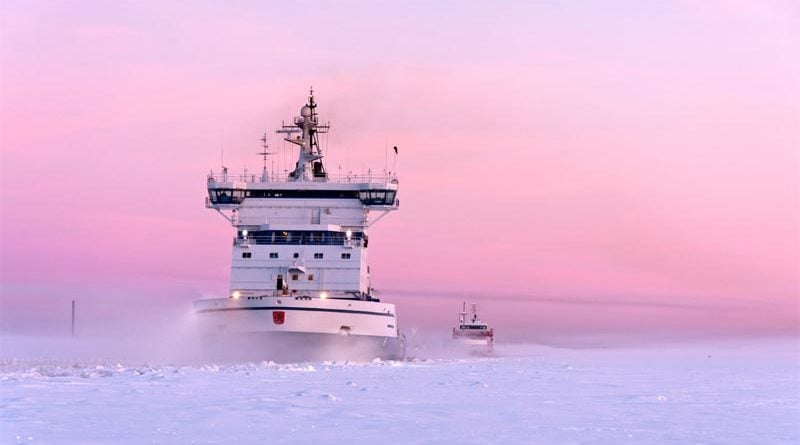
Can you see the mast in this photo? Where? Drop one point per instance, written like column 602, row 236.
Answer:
column 264, row 153
column 307, row 128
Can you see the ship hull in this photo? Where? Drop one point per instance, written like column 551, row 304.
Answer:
column 475, row 342
column 474, row 346
column 292, row 329
column 289, row 347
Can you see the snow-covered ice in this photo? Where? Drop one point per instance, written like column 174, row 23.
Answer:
column 742, row 393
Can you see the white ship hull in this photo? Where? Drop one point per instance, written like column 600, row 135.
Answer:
column 473, row 341
column 303, row 315
column 286, row 347
column 289, row 328
column 477, row 346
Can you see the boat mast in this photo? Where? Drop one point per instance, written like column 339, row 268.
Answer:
column 309, row 163
column 264, row 153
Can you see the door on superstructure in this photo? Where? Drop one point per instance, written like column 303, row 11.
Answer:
column 279, row 283
column 315, row 214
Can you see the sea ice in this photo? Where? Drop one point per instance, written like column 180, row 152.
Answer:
column 717, row 393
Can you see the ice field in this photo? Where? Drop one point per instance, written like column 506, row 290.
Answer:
column 716, row 393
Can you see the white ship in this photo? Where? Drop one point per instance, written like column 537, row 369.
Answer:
column 472, row 331
column 299, row 272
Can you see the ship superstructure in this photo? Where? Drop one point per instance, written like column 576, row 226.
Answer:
column 299, row 254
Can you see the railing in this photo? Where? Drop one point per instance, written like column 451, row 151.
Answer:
column 250, row 241
column 342, row 178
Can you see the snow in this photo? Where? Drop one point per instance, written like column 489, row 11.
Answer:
column 712, row 393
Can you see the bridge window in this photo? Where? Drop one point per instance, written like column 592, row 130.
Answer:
column 377, row 197
column 298, row 237
column 273, row 255
column 226, row 196
column 318, row 256
column 295, row 277
column 303, row 194
column 345, row 256
column 247, row 254
column 311, row 277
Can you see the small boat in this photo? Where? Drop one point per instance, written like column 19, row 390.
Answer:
column 472, row 331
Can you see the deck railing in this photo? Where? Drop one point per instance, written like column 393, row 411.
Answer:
column 343, row 178
column 254, row 240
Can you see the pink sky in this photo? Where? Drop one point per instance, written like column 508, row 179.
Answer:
column 634, row 153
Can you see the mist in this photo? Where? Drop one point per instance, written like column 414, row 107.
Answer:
column 167, row 332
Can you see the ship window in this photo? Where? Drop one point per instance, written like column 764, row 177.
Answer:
column 296, row 255
column 317, row 256
column 311, row 277
column 227, row 196
column 247, row 254
column 377, row 197
column 273, row 254
column 345, row 256
column 327, row 194
column 282, row 237
column 295, row 277
column 223, row 197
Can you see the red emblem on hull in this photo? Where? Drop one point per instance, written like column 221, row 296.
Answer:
column 278, row 317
